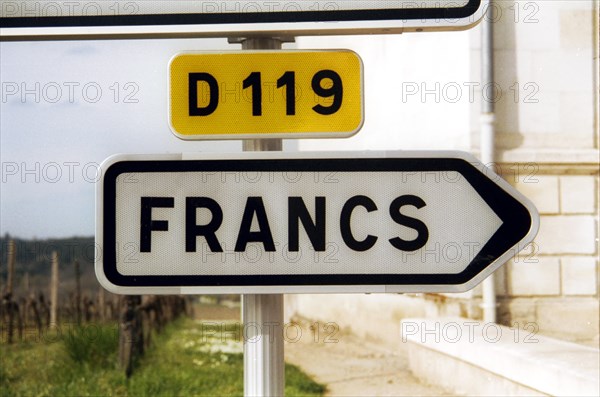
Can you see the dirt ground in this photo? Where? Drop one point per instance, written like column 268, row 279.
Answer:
column 347, row 364
column 351, row 366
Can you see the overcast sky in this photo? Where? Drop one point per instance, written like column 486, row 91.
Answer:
column 67, row 106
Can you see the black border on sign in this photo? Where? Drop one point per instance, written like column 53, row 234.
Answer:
column 515, row 217
column 443, row 13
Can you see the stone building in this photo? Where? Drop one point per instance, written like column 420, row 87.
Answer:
column 424, row 91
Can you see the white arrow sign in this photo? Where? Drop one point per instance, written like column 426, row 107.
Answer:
column 39, row 19
column 378, row 222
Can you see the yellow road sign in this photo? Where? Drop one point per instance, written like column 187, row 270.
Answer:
column 266, row 94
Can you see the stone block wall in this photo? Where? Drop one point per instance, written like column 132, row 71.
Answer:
column 546, row 65
column 555, row 284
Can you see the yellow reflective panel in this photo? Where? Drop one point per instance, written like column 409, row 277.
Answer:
column 287, row 94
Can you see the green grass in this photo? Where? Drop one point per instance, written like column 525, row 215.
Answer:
column 92, row 345
column 79, row 362
column 182, row 362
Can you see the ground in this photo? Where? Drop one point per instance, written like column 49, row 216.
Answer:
column 347, row 364
column 351, row 366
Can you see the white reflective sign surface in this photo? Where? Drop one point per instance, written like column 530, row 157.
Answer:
column 316, row 222
column 51, row 8
column 38, row 19
column 446, row 249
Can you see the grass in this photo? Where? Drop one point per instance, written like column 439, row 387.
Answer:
column 182, row 362
column 93, row 346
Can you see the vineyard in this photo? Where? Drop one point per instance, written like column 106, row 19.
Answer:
column 30, row 313
column 62, row 334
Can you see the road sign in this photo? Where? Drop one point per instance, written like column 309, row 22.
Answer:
column 274, row 94
column 35, row 19
column 320, row 222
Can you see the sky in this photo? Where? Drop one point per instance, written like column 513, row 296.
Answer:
column 65, row 106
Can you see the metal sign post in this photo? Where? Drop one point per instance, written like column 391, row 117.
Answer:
column 264, row 370
column 262, row 315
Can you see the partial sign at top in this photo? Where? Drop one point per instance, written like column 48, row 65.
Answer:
column 47, row 19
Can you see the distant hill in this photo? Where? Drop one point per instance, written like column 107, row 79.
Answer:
column 33, row 257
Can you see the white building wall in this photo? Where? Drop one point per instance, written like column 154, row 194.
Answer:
column 415, row 97
column 546, row 95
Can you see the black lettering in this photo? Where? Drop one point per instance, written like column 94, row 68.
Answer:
column 213, row 94
column 419, row 226
column 345, row 218
column 336, row 91
column 147, row 225
column 253, row 81
column 192, row 230
column 254, row 206
column 315, row 231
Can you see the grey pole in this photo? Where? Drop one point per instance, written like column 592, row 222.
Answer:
column 262, row 314
column 264, row 373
